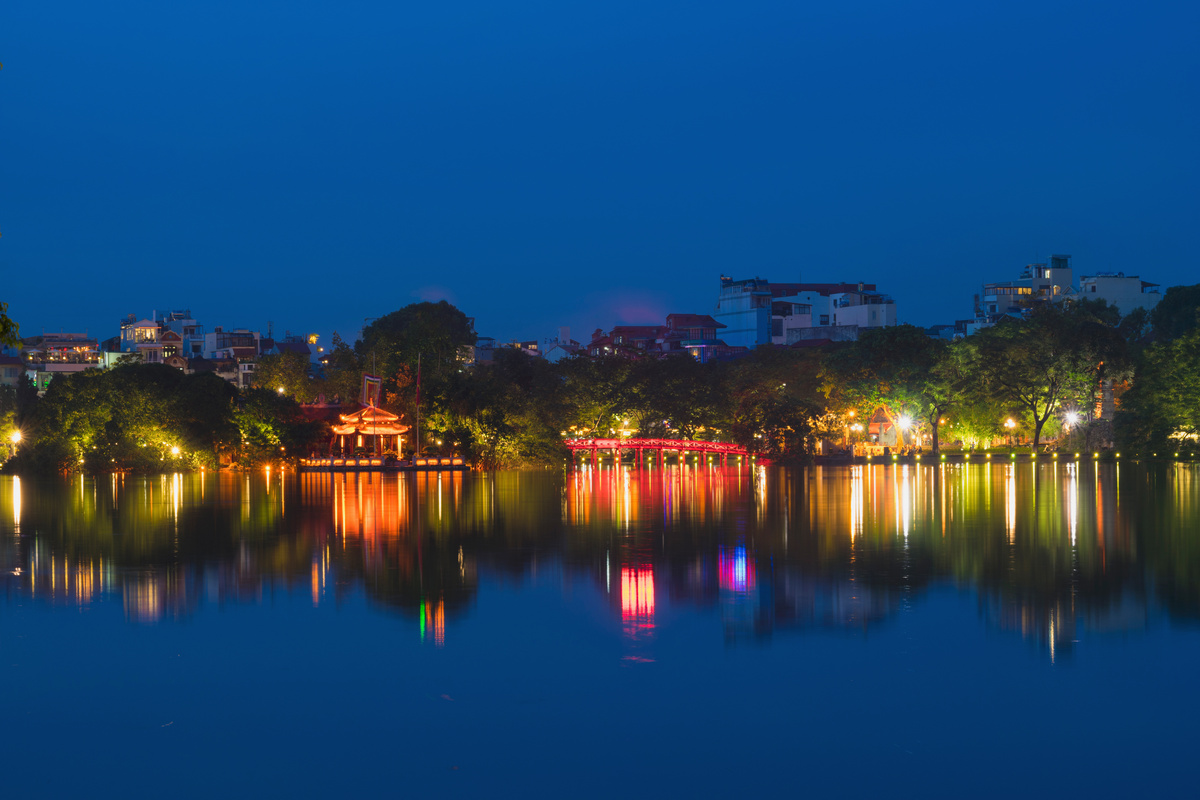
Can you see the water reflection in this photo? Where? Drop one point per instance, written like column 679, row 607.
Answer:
column 1051, row 551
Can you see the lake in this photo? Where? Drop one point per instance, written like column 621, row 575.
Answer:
column 954, row 630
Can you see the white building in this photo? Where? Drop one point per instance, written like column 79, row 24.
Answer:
column 756, row 311
column 1125, row 292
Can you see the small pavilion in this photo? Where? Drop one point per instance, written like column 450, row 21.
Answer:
column 371, row 428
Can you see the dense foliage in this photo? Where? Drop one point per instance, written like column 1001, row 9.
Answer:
column 1043, row 378
column 149, row 417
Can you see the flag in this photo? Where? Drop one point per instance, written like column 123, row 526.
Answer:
column 372, row 385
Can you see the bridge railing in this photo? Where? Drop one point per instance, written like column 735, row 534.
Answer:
column 656, row 444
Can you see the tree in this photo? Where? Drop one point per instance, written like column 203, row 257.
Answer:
column 896, row 369
column 273, row 428
column 775, row 404
column 343, row 372
column 1053, row 358
column 1162, row 408
column 676, row 393
column 510, row 413
column 436, row 332
column 287, row 371
column 144, row 417
column 1177, row 313
column 8, row 328
column 596, row 392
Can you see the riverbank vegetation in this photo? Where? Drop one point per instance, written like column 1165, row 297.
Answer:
column 1052, row 378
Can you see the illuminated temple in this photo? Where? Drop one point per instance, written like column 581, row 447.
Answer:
column 370, row 428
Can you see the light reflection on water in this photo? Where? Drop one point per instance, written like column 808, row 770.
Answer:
column 1049, row 550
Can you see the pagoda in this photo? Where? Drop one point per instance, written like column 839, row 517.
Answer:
column 370, row 427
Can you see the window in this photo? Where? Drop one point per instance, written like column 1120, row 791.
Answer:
column 1093, row 287
column 777, row 327
column 824, row 319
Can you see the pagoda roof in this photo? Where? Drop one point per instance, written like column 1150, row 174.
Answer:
column 371, row 415
column 370, row 420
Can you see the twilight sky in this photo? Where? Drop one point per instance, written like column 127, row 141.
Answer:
column 548, row 162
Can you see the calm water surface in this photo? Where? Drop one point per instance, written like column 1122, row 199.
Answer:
column 952, row 631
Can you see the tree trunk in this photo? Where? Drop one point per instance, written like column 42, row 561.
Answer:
column 934, row 436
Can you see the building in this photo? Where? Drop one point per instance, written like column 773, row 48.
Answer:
column 221, row 343
column 141, row 336
column 693, row 334
column 1126, row 293
column 744, row 308
column 755, row 311
column 562, row 347
column 1037, row 284
column 57, row 353
column 12, row 371
column 191, row 332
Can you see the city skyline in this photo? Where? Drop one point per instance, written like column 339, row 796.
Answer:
column 541, row 167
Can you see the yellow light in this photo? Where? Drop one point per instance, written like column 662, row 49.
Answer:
column 16, row 437
column 174, row 451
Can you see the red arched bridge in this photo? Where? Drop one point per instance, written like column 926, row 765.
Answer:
column 659, row 447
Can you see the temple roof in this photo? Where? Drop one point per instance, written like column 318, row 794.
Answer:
column 370, row 415
column 370, row 420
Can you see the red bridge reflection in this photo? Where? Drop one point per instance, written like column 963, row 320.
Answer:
column 722, row 451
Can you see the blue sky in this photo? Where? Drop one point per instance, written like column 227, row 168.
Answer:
column 585, row 164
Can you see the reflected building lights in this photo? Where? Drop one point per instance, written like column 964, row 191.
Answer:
column 735, row 572
column 1073, row 500
column 1010, row 502
column 856, row 501
column 637, row 599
